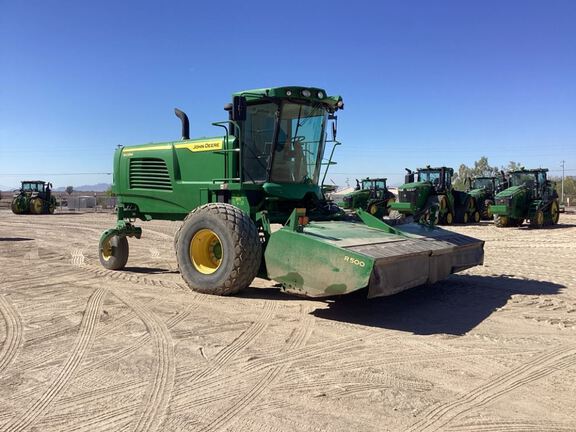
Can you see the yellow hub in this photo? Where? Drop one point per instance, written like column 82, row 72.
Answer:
column 106, row 250
column 373, row 209
column 449, row 218
column 206, row 251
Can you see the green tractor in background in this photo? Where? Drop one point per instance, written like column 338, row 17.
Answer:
column 483, row 189
column 432, row 199
column 34, row 196
column 252, row 204
column 371, row 195
column 530, row 196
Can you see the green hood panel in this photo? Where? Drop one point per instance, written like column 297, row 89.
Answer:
column 511, row 191
column 415, row 185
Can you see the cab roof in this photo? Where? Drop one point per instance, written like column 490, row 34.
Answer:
column 313, row 94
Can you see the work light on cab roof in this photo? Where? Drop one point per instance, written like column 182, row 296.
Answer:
column 268, row 168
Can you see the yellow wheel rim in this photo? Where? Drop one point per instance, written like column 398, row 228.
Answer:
column 206, row 251
column 107, row 250
column 465, row 217
column 476, row 217
column 373, row 209
column 554, row 212
column 449, row 218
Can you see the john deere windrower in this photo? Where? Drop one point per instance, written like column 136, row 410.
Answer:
column 252, row 205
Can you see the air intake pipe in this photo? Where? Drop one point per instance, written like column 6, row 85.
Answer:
column 185, row 123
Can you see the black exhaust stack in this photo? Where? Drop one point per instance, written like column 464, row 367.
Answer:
column 185, row 123
column 409, row 177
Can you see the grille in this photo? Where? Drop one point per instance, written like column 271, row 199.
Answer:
column 408, row 196
column 149, row 173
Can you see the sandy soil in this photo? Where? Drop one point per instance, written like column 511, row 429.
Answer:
column 86, row 349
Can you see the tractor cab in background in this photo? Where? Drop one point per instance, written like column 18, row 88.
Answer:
column 34, row 196
column 428, row 195
column 529, row 196
column 371, row 195
column 483, row 189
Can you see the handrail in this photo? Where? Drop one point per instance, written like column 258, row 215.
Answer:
column 237, row 134
column 336, row 143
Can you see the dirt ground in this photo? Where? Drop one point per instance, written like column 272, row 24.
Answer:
column 87, row 349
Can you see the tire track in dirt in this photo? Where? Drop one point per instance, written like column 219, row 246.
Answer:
column 157, row 395
column 133, row 278
column 14, row 334
column 59, row 385
column 141, row 340
column 298, row 339
column 207, row 382
column 545, row 364
column 227, row 354
column 512, row 426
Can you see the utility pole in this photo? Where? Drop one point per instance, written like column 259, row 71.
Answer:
column 562, row 193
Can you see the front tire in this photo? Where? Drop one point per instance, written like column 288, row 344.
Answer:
column 113, row 252
column 218, row 249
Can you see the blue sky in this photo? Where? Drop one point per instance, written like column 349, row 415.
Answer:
column 439, row 82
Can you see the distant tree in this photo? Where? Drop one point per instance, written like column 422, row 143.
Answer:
column 512, row 166
column 69, row 190
column 109, row 192
column 481, row 168
column 569, row 187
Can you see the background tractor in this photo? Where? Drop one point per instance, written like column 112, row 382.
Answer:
column 530, row 196
column 371, row 195
column 431, row 198
column 483, row 190
column 251, row 203
column 34, row 196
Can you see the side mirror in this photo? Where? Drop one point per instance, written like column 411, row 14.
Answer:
column 334, row 125
column 239, row 108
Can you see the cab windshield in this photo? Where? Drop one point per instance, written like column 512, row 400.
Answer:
column 34, row 187
column 480, row 183
column 429, row 176
column 523, row 179
column 300, row 144
column 369, row 184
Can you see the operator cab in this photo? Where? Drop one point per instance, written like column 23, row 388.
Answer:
column 34, row 186
column 534, row 180
column 375, row 186
column 440, row 178
column 283, row 134
column 488, row 183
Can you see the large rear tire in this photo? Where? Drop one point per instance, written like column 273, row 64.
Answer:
column 36, row 205
column 476, row 216
column 554, row 212
column 538, row 220
column 113, row 252
column 501, row 221
column 218, row 249
column 14, row 206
